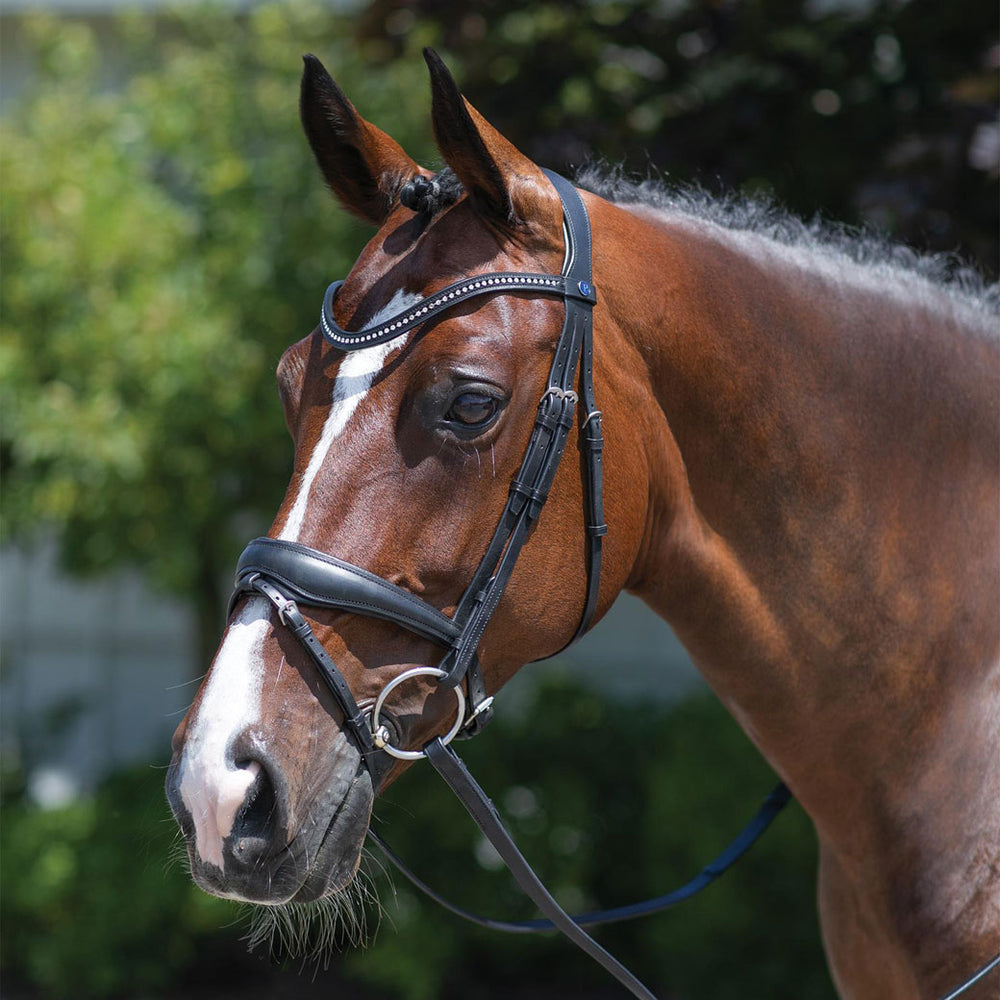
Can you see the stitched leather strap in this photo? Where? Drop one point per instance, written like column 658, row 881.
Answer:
column 295, row 572
column 533, row 481
column 323, row 581
column 354, row 721
column 591, row 441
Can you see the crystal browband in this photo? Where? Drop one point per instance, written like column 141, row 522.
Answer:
column 483, row 284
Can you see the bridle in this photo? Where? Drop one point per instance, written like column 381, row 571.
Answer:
column 289, row 574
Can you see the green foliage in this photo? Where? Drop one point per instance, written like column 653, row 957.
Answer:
column 163, row 242
column 92, row 905
column 611, row 803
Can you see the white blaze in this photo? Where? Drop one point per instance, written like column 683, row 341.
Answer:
column 354, row 379
column 212, row 787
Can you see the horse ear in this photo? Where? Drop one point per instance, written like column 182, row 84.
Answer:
column 363, row 167
column 503, row 184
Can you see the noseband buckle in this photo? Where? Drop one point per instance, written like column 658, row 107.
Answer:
column 286, row 607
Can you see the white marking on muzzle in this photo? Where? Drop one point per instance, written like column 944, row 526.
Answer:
column 212, row 787
column 354, row 379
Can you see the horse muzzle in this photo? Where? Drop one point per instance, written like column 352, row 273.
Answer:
column 247, row 837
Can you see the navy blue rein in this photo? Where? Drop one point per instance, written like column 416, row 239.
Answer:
column 744, row 840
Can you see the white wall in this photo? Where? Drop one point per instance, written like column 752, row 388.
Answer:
column 92, row 673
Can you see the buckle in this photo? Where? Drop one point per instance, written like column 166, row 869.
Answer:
column 484, row 706
column 478, row 720
column 554, row 390
column 288, row 607
column 285, row 606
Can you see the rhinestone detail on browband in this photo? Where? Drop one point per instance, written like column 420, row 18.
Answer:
column 409, row 318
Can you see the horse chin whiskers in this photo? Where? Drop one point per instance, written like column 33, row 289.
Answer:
column 314, row 931
column 178, row 854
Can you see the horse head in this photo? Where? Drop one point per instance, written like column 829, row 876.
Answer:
column 405, row 451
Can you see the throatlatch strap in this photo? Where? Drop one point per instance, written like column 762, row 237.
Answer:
column 448, row 764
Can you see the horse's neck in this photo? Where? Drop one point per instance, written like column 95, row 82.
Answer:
column 815, row 567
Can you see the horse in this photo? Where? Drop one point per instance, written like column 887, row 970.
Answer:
column 801, row 472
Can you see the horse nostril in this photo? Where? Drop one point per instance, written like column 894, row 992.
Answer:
column 255, row 826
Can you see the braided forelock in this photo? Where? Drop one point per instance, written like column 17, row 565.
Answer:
column 428, row 196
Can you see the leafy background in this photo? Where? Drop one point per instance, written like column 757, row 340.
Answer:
column 164, row 237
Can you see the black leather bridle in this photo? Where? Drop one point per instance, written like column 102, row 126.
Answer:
column 289, row 574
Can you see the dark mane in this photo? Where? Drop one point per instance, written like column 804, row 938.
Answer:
column 766, row 218
column 762, row 216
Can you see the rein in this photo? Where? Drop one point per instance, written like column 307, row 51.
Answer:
column 748, row 836
column 287, row 574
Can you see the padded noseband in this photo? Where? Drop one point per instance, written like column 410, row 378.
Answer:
column 317, row 580
column 289, row 574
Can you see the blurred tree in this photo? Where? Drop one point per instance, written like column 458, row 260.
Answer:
column 163, row 242
column 865, row 111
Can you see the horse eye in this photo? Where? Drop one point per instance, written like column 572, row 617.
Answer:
column 473, row 409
